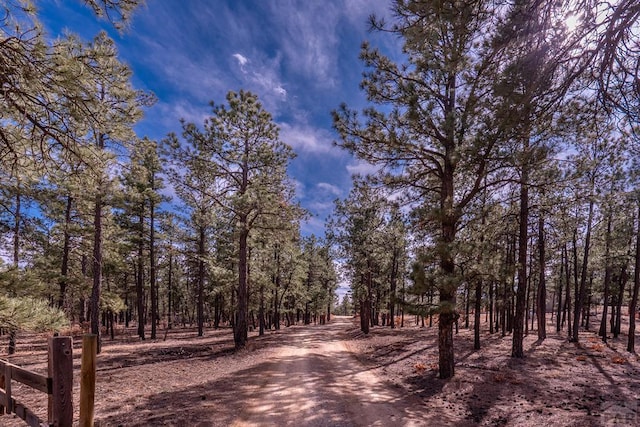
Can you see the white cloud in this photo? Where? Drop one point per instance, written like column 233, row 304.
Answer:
column 309, row 44
column 358, row 11
column 329, row 188
column 242, row 60
column 362, row 168
column 280, row 91
column 171, row 114
column 322, row 208
column 261, row 75
column 306, row 139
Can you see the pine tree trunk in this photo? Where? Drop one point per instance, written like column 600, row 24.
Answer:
column 97, row 270
column 392, row 296
column 559, row 311
column 170, row 288
column 503, row 310
column 633, row 304
column 542, row 286
column 448, row 290
column 587, row 310
column 276, row 309
column 140, row 278
column 368, row 300
column 153, row 288
column 624, row 277
column 402, row 305
column 16, row 228
column 64, row 270
column 261, row 312
column 517, row 349
column 491, row 304
column 583, row 277
column 201, row 278
column 467, row 305
column 448, row 315
column 476, row 315
column 12, row 341
column 607, row 279
column 567, row 311
column 82, row 318
column 364, row 318
column 241, row 327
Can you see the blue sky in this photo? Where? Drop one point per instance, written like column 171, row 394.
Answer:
column 299, row 56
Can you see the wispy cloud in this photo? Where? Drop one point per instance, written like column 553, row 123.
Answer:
column 329, row 188
column 308, row 139
column 262, row 75
column 362, row 168
column 300, row 57
column 241, row 59
column 309, row 49
column 170, row 114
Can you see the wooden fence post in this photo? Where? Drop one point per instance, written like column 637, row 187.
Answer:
column 61, row 373
column 88, row 379
column 8, row 405
column 2, row 404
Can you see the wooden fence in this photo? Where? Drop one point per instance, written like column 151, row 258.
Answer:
column 58, row 385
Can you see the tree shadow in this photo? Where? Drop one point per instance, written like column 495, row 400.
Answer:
column 310, row 388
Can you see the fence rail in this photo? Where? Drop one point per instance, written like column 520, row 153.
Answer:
column 58, row 385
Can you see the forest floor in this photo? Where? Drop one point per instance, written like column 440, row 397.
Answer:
column 333, row 375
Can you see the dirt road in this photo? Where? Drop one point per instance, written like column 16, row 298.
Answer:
column 313, row 380
column 298, row 376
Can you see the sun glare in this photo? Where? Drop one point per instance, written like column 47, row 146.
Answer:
column 572, row 22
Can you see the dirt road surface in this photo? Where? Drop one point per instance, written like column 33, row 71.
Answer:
column 305, row 377
column 332, row 375
column 312, row 379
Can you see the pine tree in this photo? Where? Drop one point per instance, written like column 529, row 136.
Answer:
column 434, row 132
column 117, row 105
column 249, row 162
column 192, row 174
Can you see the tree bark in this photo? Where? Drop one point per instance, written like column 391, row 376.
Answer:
column 201, row 277
column 261, row 312
column 394, row 280
column 476, row 315
column 240, row 332
column 448, row 314
column 64, row 270
column 153, row 287
column 16, row 228
column 633, row 304
column 559, row 310
column 467, row 305
column 97, row 269
column 170, row 288
column 517, row 349
column 140, row 277
column 607, row 278
column 583, row 277
column 567, row 272
column 542, row 287
column 624, row 277
column 12, row 341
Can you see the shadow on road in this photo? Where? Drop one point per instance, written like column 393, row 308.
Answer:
column 308, row 378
